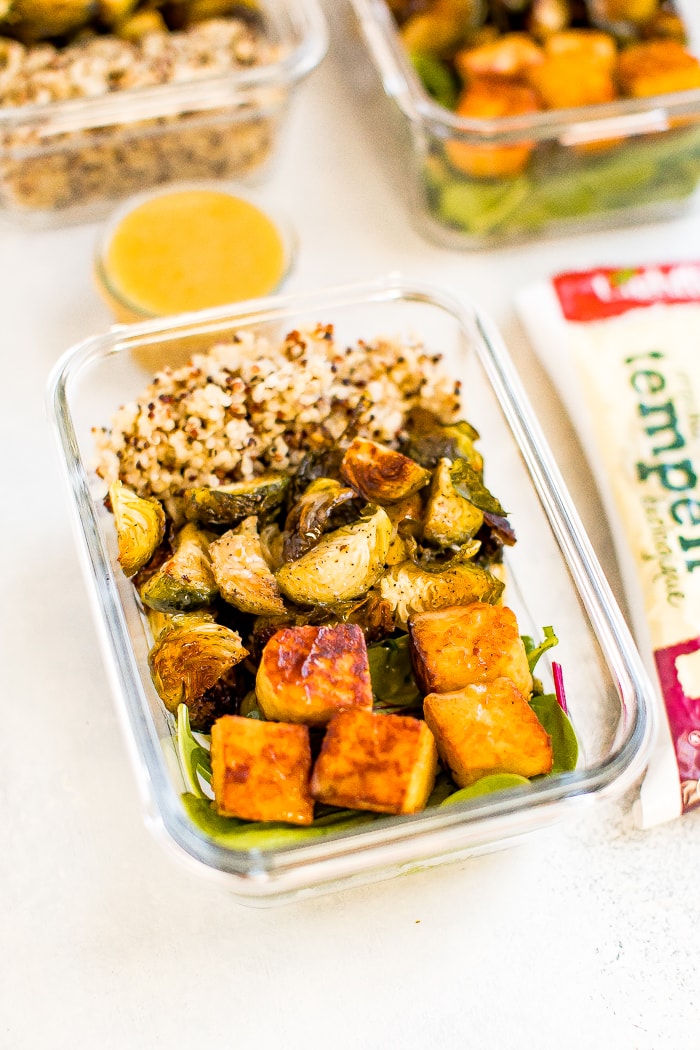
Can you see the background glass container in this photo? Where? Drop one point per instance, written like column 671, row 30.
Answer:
column 650, row 170
column 68, row 161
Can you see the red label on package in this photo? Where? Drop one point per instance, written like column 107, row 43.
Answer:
column 593, row 295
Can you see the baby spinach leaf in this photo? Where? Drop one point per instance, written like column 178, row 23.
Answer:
column 560, row 729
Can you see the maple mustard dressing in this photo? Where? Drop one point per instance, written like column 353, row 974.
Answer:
column 190, row 249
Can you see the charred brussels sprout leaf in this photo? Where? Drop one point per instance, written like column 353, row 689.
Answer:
column 468, row 483
column 185, row 580
column 431, row 441
column 309, row 516
column 140, row 525
column 450, row 518
column 380, row 474
column 410, row 589
column 242, row 574
column 393, row 684
column 187, row 661
column 229, row 504
column 345, row 564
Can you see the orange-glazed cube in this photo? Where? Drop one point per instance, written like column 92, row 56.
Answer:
column 657, row 67
column 464, row 644
column 383, row 763
column 307, row 674
column 508, row 55
column 569, row 79
column 492, row 99
column 488, row 728
column 260, row 770
column 589, row 44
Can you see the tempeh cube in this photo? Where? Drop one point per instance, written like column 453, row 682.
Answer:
column 308, row 674
column 384, row 763
column 488, row 728
column 260, row 770
column 454, row 647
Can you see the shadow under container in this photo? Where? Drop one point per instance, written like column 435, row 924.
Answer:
column 71, row 160
column 553, row 579
column 593, row 167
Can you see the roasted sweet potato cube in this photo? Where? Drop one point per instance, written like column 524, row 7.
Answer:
column 657, row 67
column 464, row 644
column 572, row 79
column 307, row 674
column 487, row 728
column 509, row 55
column 585, row 43
column 491, row 98
column 260, row 770
column 384, row 763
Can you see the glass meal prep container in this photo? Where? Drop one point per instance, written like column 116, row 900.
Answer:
column 183, row 109
column 594, row 166
column 553, row 579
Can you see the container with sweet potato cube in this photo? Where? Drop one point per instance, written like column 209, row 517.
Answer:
column 486, row 728
column 307, row 674
column 463, row 644
column 384, row 763
column 260, row 770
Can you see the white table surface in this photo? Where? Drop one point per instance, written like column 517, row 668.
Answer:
column 585, row 935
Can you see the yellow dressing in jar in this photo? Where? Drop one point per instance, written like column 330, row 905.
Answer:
column 189, row 249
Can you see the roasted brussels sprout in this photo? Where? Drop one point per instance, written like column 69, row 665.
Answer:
column 410, row 589
column 380, row 474
column 185, row 580
column 241, row 572
column 309, row 515
column 189, row 660
column 343, row 565
column 450, row 519
column 140, row 525
column 229, row 504
column 159, row 621
column 33, row 20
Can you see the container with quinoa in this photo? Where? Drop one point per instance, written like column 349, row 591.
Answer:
column 98, row 101
column 316, row 610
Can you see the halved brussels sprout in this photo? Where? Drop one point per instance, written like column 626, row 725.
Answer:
column 345, row 564
column 160, row 621
column 410, row 589
column 241, row 572
column 187, row 661
column 380, row 474
column 229, row 504
column 309, row 515
column 185, row 580
column 450, row 518
column 140, row 525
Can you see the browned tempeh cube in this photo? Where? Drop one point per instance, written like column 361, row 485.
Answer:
column 488, row 728
column 261, row 770
column 385, row 763
column 308, row 674
column 454, row 647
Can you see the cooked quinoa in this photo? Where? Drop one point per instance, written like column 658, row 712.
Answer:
column 250, row 406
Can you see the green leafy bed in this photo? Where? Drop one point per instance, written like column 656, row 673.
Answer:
column 394, row 691
column 559, row 184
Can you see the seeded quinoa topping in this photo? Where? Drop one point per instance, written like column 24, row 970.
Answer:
column 250, row 406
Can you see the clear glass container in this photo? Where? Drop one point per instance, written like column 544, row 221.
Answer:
column 554, row 579
column 70, row 160
column 591, row 167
